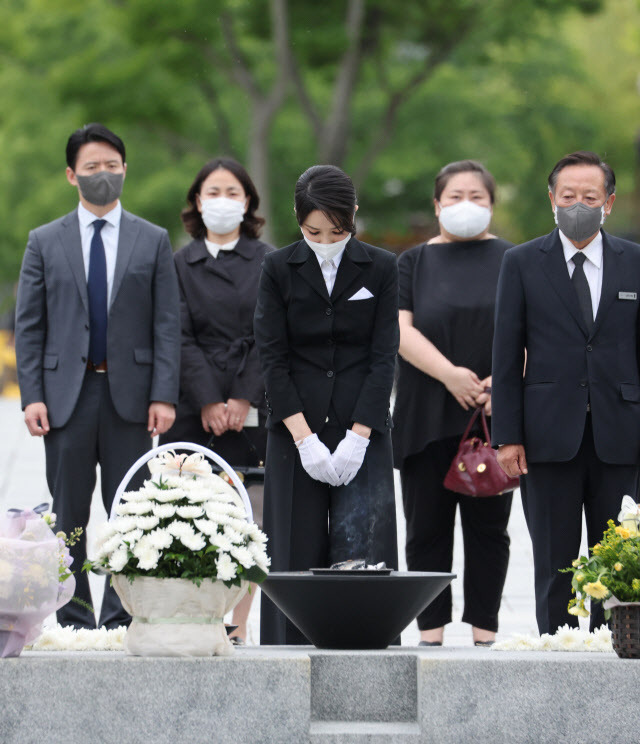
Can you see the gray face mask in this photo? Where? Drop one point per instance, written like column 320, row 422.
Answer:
column 579, row 222
column 101, row 188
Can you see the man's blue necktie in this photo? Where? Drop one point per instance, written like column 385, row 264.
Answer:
column 97, row 291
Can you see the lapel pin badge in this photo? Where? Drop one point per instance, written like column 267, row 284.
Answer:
column 627, row 295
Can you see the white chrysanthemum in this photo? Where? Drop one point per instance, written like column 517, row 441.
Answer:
column 219, row 518
column 218, row 507
column 140, row 507
column 134, row 496
column 164, row 511
column 190, row 512
column 148, row 558
column 122, row 508
column 258, row 551
column 233, row 535
column 243, row 556
column 180, row 529
column 221, row 541
column 241, row 525
column 147, row 523
column 132, row 537
column 263, row 562
column 124, row 524
column 225, row 567
column 104, row 532
column 173, row 494
column 193, row 542
column 198, row 497
column 160, row 539
column 118, row 560
column 206, row 526
column 108, row 546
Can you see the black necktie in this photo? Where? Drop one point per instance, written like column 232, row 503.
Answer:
column 97, row 291
column 579, row 281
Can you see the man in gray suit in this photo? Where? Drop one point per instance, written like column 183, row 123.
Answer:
column 97, row 345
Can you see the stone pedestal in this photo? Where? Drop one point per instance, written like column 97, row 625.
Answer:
column 306, row 696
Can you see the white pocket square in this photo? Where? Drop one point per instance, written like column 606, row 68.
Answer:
column 361, row 294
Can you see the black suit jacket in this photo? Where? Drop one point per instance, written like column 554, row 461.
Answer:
column 567, row 367
column 217, row 302
column 319, row 352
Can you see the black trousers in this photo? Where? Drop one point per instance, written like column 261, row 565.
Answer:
column 95, row 434
column 554, row 495
column 313, row 525
column 430, row 511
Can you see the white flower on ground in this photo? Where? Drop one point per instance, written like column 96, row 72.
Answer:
column 206, row 526
column 190, row 512
column 118, row 560
column 225, row 567
column 243, row 556
column 160, row 539
column 164, row 511
column 147, row 523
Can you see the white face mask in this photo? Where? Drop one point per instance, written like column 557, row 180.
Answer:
column 222, row 215
column 327, row 251
column 465, row 219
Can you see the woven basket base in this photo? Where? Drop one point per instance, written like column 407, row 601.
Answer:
column 625, row 631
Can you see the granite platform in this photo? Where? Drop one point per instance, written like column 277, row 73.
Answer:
column 301, row 695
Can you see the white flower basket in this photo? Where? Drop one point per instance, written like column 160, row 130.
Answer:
column 175, row 617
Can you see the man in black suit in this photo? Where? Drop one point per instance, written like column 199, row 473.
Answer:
column 97, row 345
column 568, row 304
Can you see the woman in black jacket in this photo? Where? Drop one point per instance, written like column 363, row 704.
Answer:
column 326, row 325
column 221, row 388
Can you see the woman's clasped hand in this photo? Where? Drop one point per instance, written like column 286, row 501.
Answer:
column 336, row 469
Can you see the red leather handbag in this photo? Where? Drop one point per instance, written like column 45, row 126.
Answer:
column 475, row 470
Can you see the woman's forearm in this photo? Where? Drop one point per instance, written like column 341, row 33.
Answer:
column 420, row 352
column 298, row 426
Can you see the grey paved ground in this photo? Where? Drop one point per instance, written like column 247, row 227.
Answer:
column 22, row 483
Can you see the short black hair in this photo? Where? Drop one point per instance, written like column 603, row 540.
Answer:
column 329, row 190
column 190, row 215
column 464, row 166
column 92, row 133
column 584, row 157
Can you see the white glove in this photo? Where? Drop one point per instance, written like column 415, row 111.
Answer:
column 316, row 460
column 348, row 457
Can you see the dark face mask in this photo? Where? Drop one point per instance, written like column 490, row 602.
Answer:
column 579, row 222
column 101, row 188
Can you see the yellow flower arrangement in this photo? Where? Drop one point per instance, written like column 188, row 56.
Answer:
column 611, row 569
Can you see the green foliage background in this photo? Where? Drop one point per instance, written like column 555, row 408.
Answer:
column 516, row 85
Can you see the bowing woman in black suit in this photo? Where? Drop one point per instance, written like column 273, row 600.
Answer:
column 221, row 388
column 326, row 326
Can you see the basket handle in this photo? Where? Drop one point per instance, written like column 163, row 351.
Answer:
column 193, row 448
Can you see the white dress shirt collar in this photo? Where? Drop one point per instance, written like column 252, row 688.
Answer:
column 87, row 218
column 329, row 268
column 215, row 248
column 592, row 251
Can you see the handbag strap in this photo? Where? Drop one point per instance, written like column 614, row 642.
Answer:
column 472, row 420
